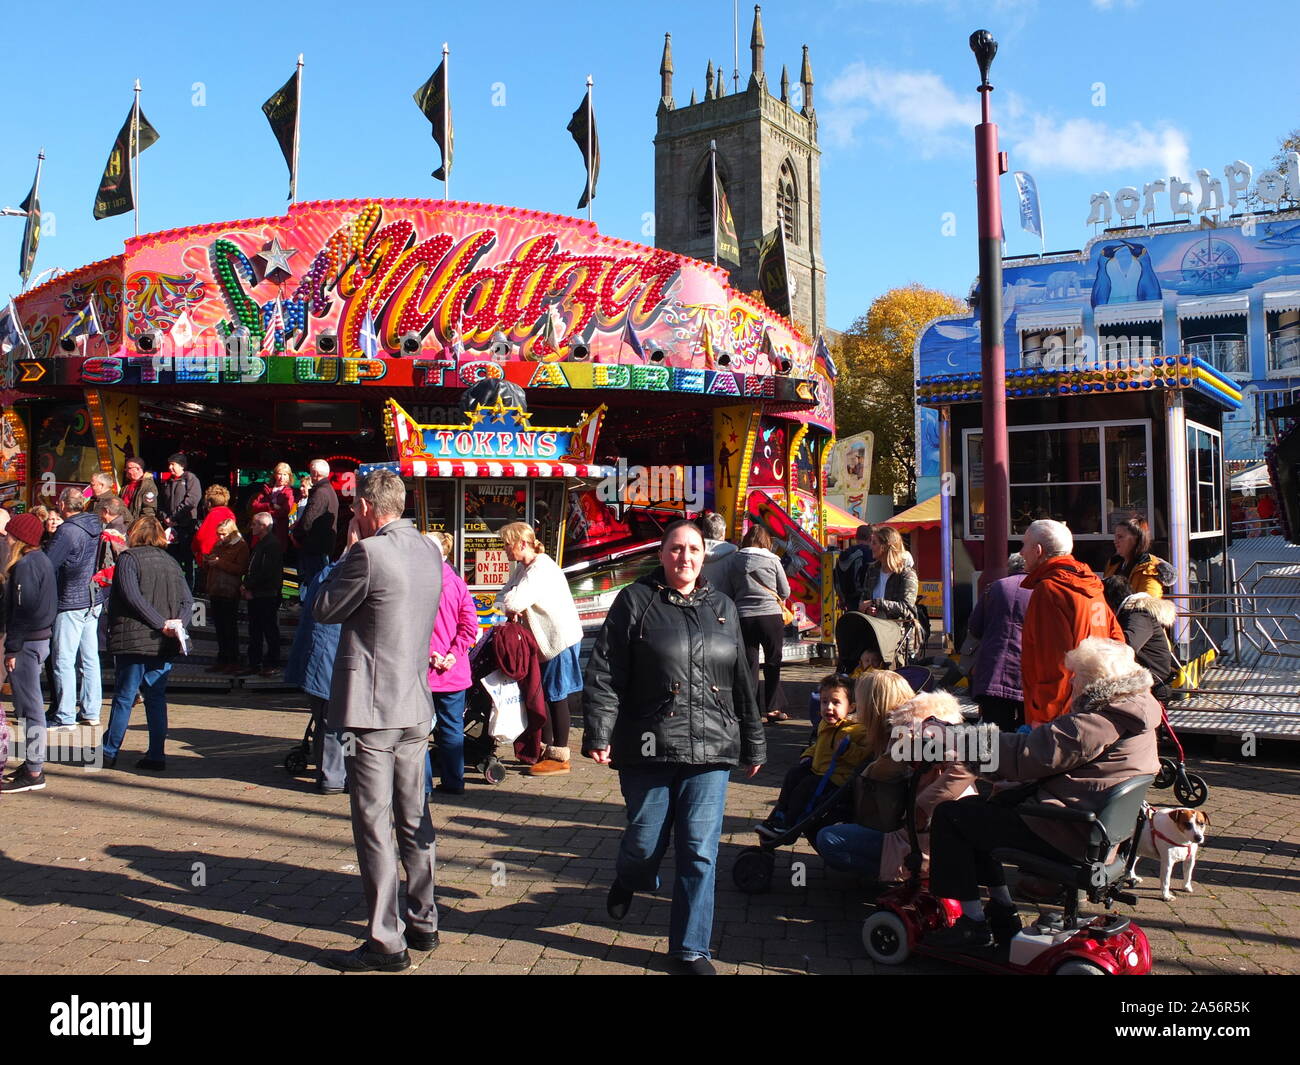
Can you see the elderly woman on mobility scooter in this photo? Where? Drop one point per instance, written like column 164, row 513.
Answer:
column 1073, row 761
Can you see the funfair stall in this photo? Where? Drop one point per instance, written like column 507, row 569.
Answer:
column 285, row 339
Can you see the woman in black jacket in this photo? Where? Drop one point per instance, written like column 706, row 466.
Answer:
column 31, row 600
column 147, row 613
column 1146, row 621
column 669, row 704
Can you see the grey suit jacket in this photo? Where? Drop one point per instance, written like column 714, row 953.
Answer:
column 384, row 592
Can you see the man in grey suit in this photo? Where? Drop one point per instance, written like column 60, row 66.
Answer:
column 384, row 592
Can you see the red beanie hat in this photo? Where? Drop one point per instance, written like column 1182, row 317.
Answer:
column 26, row 527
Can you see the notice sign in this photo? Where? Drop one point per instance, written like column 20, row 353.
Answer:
column 492, row 567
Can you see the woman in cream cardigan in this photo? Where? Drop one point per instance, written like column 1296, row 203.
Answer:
column 538, row 591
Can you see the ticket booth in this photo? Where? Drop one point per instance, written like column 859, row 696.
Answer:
column 1090, row 446
column 472, row 479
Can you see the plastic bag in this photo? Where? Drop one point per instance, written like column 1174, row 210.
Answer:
column 508, row 719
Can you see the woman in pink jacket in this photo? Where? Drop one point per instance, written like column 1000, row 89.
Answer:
column 455, row 631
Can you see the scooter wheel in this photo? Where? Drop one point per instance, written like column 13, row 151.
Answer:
column 884, row 934
column 1075, row 967
column 1167, row 775
column 752, row 871
column 295, row 762
column 494, row 772
column 1194, row 793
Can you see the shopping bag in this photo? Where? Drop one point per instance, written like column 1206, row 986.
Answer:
column 508, row 719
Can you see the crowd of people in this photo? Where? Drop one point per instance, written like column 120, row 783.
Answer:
column 683, row 676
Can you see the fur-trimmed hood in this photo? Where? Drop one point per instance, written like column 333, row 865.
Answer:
column 1163, row 610
column 1113, row 691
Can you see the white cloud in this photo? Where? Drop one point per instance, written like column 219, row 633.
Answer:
column 1086, row 146
column 920, row 109
column 917, row 101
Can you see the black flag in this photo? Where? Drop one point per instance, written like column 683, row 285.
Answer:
column 432, row 99
column 774, row 273
column 32, row 227
column 116, row 193
column 582, row 123
column 281, row 111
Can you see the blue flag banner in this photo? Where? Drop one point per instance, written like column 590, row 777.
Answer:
column 1031, row 216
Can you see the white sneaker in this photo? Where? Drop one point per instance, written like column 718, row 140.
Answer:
column 61, row 728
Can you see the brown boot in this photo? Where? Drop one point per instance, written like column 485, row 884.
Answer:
column 554, row 760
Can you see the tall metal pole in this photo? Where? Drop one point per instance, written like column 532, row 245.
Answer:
column 134, row 161
column 590, row 161
column 446, row 121
column 713, row 169
column 297, row 119
column 990, row 164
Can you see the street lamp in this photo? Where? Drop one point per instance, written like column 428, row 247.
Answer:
column 991, row 164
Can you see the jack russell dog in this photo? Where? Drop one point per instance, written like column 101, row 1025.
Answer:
column 1171, row 836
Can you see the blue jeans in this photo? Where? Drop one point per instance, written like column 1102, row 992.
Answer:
column 75, row 650
column 148, row 676
column 449, row 731
column 687, row 802
column 851, row 849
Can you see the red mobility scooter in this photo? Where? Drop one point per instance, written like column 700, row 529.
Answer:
column 1064, row 944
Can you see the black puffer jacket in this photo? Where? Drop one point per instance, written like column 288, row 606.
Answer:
column 668, row 681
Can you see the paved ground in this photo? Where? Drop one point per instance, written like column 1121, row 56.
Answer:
column 225, row 863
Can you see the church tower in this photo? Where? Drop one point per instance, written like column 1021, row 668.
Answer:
column 769, row 166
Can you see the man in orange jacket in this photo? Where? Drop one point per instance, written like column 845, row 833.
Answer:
column 1067, row 605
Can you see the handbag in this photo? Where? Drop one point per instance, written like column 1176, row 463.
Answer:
column 879, row 804
column 787, row 615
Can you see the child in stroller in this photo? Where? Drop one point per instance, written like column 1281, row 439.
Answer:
column 813, row 799
column 879, row 851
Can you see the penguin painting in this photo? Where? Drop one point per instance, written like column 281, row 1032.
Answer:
column 1124, row 278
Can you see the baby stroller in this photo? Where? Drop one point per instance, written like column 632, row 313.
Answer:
column 302, row 757
column 480, row 747
column 829, row 805
column 856, row 632
column 1189, row 789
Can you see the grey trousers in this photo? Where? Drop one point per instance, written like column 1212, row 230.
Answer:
column 29, row 704
column 386, row 776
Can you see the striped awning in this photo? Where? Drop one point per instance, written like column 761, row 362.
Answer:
column 1129, row 313
column 490, row 468
column 1045, row 318
column 1282, row 301
column 1213, row 306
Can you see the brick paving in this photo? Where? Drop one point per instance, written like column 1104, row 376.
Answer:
column 227, row 864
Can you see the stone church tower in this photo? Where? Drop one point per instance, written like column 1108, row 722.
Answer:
column 769, row 165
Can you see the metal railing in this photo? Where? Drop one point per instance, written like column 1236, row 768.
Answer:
column 1284, row 352
column 1226, row 352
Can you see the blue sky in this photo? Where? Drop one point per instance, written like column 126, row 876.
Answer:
column 1180, row 87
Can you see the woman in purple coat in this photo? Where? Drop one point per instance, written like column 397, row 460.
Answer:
column 998, row 622
column 455, row 631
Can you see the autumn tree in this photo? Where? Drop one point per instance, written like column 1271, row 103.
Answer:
column 876, row 391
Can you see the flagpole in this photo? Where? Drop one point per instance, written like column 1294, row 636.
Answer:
column 134, row 162
column 735, row 43
column 446, row 121
column 297, row 119
column 36, row 196
column 713, row 167
column 590, row 124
